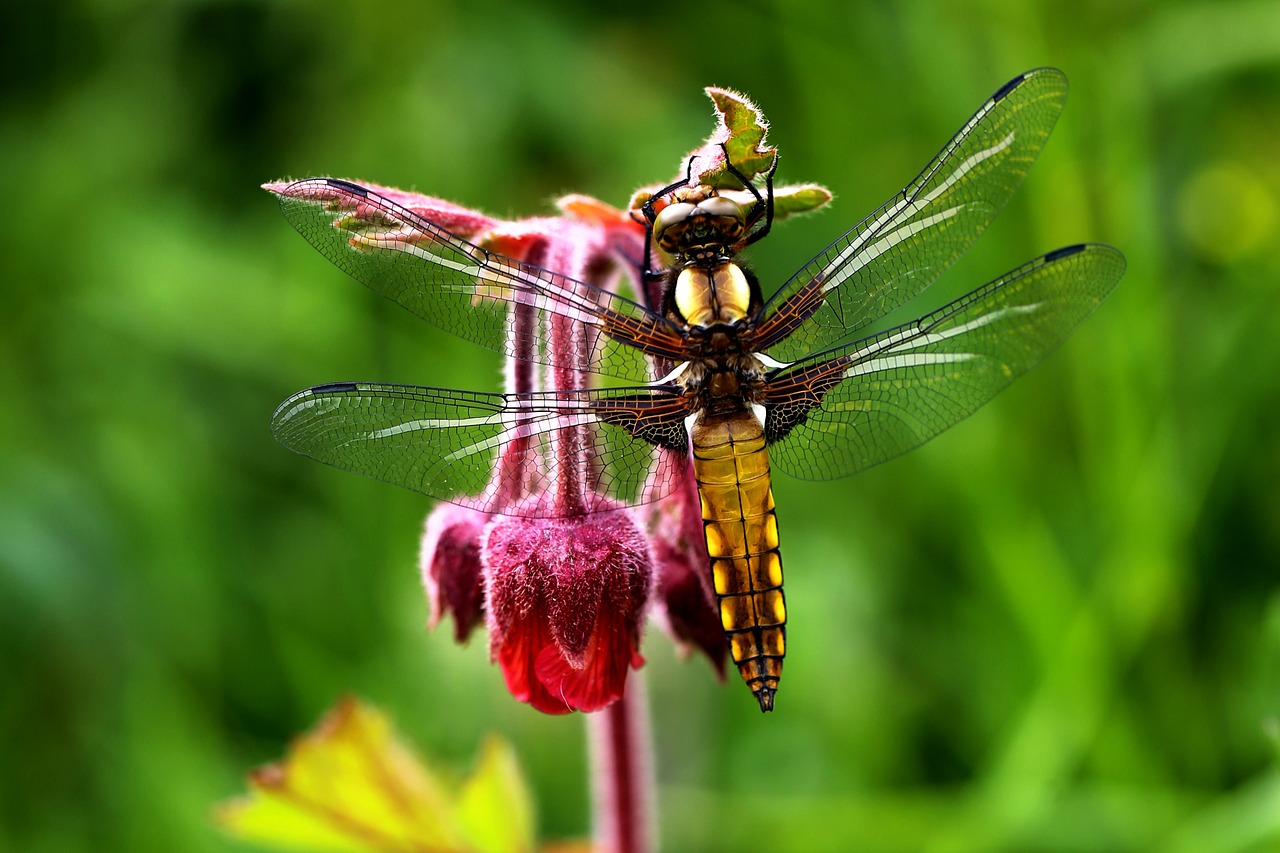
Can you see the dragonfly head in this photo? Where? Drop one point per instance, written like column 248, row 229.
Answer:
column 699, row 226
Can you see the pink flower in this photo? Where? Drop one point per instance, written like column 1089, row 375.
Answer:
column 564, row 594
column 450, row 562
column 566, row 598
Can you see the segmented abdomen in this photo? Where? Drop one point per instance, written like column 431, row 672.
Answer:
column 732, row 469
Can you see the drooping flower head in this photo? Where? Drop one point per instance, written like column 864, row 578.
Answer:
column 564, row 592
column 566, row 601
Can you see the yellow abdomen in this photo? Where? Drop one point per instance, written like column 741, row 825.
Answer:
column 732, row 470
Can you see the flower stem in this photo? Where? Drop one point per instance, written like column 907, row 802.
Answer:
column 622, row 772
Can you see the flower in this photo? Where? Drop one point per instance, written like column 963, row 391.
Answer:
column 450, row 563
column 565, row 601
column 564, row 594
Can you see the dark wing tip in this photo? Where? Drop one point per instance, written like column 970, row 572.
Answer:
column 1098, row 250
column 1065, row 252
column 333, row 388
column 290, row 407
column 1008, row 88
column 348, row 186
column 1004, row 90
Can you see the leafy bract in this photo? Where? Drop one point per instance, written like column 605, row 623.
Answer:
column 740, row 131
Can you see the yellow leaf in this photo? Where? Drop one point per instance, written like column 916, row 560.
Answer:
column 496, row 788
column 351, row 785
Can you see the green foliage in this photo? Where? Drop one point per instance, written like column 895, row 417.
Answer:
column 1054, row 627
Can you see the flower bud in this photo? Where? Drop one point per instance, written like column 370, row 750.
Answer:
column 565, row 600
column 450, row 563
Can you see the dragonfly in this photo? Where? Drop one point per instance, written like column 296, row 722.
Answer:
column 792, row 382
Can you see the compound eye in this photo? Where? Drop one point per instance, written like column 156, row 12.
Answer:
column 672, row 214
column 723, row 207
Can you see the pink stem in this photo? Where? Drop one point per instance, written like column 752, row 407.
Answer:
column 511, row 475
column 514, row 475
column 621, row 745
column 622, row 772
column 566, row 344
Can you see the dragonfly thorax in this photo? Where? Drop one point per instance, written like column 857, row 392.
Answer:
column 722, row 384
column 703, row 296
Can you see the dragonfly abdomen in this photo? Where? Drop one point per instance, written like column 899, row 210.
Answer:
column 731, row 466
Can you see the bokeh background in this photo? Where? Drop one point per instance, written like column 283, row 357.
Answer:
column 1056, row 627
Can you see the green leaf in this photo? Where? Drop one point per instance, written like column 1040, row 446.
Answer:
column 742, row 130
column 801, row 198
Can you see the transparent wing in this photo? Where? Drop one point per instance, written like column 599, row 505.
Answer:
column 898, row 251
column 850, row 408
column 465, row 289
column 503, row 453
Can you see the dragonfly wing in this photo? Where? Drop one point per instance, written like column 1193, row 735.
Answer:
column 493, row 451
column 853, row 407
column 464, row 288
column 900, row 249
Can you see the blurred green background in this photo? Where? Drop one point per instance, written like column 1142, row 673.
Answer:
column 1056, row 627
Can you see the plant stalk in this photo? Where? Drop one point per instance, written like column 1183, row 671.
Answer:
column 622, row 772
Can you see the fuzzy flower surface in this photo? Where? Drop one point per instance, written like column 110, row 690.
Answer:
column 566, row 599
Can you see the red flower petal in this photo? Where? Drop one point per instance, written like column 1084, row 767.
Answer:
column 565, row 598
column 522, row 649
